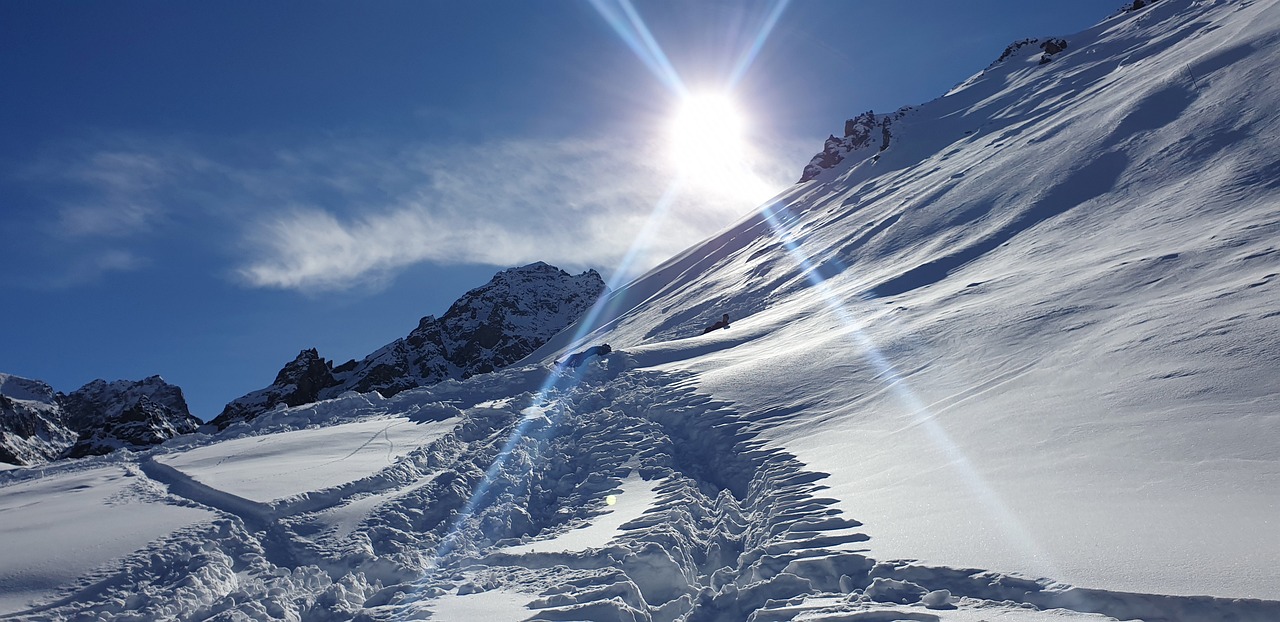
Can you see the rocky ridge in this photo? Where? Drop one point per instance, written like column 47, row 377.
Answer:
column 38, row 424
column 869, row 130
column 488, row 328
column 860, row 133
column 124, row 413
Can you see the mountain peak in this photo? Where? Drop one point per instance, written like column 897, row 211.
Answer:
column 40, row 424
column 488, row 328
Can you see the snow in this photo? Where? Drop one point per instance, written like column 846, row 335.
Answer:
column 490, row 605
column 634, row 497
column 19, row 388
column 1018, row 366
column 1055, row 359
column 58, row 529
column 274, row 466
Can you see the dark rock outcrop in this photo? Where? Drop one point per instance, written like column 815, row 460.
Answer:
column 31, row 426
column 1051, row 47
column 38, row 425
column 125, row 414
column 1136, row 5
column 860, row 132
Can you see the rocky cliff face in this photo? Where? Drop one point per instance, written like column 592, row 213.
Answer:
column 38, row 424
column 489, row 328
column 864, row 131
column 31, row 427
column 125, row 413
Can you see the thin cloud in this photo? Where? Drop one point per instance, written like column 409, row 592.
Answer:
column 106, row 219
column 93, row 267
column 574, row 203
column 108, row 187
column 352, row 212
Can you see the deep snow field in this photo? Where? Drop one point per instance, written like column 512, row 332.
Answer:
column 1022, row 365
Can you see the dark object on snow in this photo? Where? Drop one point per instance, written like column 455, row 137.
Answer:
column 575, row 360
column 723, row 323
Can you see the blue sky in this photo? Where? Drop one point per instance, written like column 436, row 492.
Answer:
column 201, row 190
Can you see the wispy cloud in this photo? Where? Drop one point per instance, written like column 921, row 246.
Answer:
column 92, row 267
column 574, row 203
column 108, row 187
column 352, row 212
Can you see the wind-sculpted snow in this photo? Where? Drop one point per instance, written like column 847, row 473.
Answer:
column 734, row 529
column 1044, row 316
column 1035, row 337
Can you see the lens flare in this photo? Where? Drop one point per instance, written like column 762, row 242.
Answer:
column 707, row 130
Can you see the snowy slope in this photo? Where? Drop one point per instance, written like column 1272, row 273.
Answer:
column 1033, row 337
column 60, row 532
column 1038, row 333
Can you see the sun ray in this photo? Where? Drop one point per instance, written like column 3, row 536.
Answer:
column 622, row 16
column 901, row 389
column 749, row 56
column 630, row 27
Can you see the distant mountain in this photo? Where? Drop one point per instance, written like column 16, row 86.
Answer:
column 108, row 416
column 31, row 422
column 38, row 424
column 488, row 328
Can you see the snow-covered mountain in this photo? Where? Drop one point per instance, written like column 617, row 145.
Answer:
column 111, row 415
column 488, row 328
column 39, row 424
column 31, row 427
column 1017, row 365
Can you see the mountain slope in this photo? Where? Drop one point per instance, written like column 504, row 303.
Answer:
column 1045, row 315
column 488, row 328
column 125, row 413
column 1036, row 334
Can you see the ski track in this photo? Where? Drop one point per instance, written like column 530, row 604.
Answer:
column 731, row 535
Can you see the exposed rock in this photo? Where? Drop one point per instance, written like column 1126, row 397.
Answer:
column 1136, row 5
column 1051, row 47
column 860, row 132
column 31, row 427
column 298, row 382
column 1012, row 49
column 125, row 414
column 38, row 425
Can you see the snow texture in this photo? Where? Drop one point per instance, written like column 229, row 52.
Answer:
column 1018, row 365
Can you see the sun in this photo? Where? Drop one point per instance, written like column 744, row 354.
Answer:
column 710, row 150
column 706, row 134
